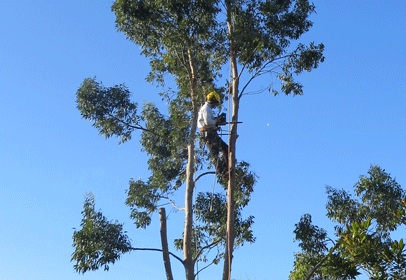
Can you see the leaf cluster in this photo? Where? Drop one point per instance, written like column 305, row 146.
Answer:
column 211, row 216
column 166, row 147
column 364, row 226
column 99, row 242
column 175, row 35
column 110, row 109
column 264, row 29
column 262, row 37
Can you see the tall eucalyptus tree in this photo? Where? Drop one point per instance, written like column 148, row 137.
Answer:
column 193, row 40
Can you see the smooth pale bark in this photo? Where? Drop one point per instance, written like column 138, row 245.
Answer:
column 164, row 242
column 232, row 152
column 190, row 168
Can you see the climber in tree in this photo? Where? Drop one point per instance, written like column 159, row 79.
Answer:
column 208, row 126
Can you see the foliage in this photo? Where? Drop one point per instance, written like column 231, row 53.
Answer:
column 184, row 40
column 363, row 231
column 110, row 109
column 175, row 35
column 211, row 216
column 191, row 41
column 263, row 32
column 99, row 242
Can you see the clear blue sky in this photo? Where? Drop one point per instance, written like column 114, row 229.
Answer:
column 352, row 115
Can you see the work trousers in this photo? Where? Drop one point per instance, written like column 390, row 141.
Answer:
column 216, row 145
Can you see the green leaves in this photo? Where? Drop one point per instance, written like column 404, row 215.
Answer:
column 364, row 229
column 311, row 238
column 383, row 197
column 142, row 196
column 211, row 209
column 190, row 40
column 302, row 59
column 110, row 109
column 99, row 242
column 173, row 34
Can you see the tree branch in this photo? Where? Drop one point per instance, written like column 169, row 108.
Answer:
column 182, row 62
column 261, row 72
column 245, row 65
column 203, row 174
column 257, row 74
column 319, row 264
column 173, row 203
column 132, row 126
column 316, row 267
column 204, row 248
column 200, row 270
column 164, row 241
column 157, row 250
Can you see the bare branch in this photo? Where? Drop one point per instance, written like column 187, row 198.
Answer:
column 203, row 174
column 132, row 126
column 206, row 247
column 157, row 250
column 262, row 71
column 200, row 270
column 182, row 61
column 173, row 203
column 258, row 73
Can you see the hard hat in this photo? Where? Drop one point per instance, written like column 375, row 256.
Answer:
column 214, row 95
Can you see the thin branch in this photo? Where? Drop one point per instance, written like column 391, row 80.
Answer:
column 204, row 248
column 224, row 4
column 200, row 270
column 203, row 174
column 245, row 65
column 158, row 250
column 182, row 62
column 173, row 203
column 261, row 72
column 257, row 74
column 319, row 264
column 332, row 241
column 132, row 126
column 164, row 204
column 316, row 267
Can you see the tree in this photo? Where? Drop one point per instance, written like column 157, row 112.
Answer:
column 113, row 113
column 259, row 39
column 364, row 233
column 172, row 34
column 192, row 40
column 168, row 141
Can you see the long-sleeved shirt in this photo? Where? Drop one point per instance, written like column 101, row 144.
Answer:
column 205, row 119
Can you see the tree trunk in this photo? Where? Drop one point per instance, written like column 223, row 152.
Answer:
column 232, row 151
column 190, row 168
column 230, row 188
column 164, row 241
column 187, row 235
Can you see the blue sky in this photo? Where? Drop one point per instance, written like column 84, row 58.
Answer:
column 352, row 115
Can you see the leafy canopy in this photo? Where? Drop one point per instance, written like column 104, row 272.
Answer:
column 189, row 40
column 364, row 233
column 99, row 241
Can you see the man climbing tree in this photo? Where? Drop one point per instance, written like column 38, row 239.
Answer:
column 208, row 126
